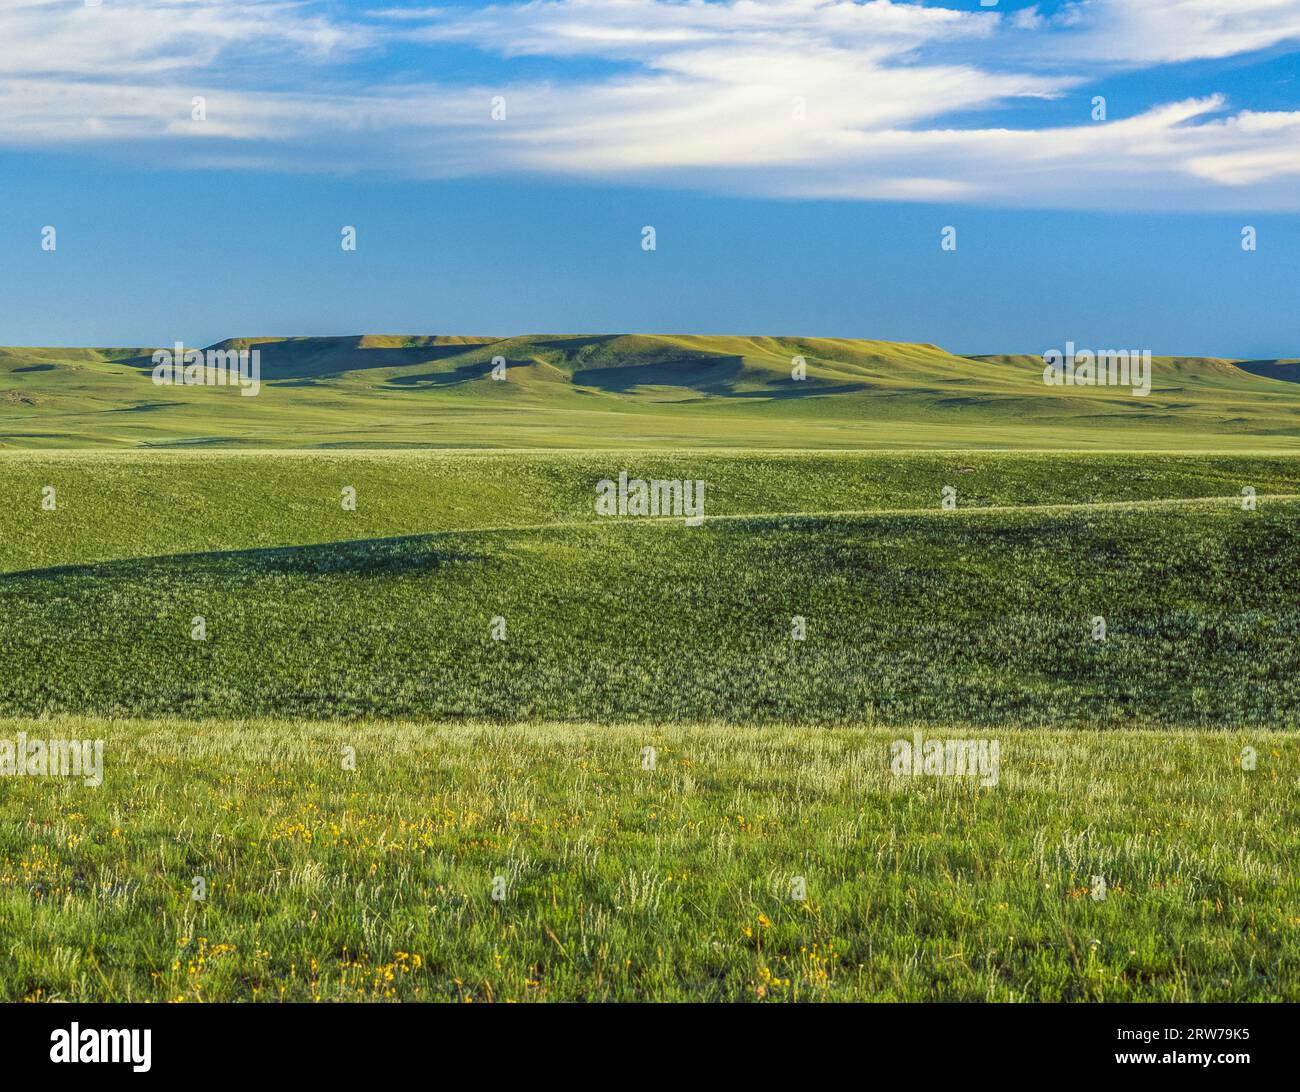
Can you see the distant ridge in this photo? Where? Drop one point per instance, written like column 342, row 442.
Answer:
column 607, row 390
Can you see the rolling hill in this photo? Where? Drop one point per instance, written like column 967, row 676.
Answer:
column 583, row 391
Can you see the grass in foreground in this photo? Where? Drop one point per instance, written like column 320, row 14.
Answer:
column 627, row 883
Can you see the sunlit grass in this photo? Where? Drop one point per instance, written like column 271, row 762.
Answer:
column 519, row 765
column 626, row 883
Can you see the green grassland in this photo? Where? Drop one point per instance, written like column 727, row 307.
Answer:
column 622, row 883
column 612, row 391
column 329, row 630
column 977, row 616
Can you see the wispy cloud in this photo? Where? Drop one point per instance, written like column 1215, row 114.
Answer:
column 821, row 98
column 1162, row 31
column 131, row 38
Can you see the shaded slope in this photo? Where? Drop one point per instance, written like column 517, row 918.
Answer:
column 1286, row 370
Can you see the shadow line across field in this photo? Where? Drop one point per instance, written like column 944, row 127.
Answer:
column 397, row 553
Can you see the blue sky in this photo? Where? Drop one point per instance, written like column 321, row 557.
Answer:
column 797, row 158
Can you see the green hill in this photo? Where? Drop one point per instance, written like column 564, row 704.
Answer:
column 566, row 390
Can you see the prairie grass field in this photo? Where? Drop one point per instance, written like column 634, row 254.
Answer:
column 980, row 615
column 621, row 883
column 502, row 836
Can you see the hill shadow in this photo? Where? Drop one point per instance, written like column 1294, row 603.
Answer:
column 556, row 341
column 392, row 555
column 691, row 373
column 313, row 358
column 1286, row 370
column 462, row 374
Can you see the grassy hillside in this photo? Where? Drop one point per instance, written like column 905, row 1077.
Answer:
column 124, row 505
column 576, row 391
column 981, row 615
column 502, row 834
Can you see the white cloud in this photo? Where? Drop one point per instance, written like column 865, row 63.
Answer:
column 653, row 29
column 1159, row 159
column 1251, row 148
column 1160, row 31
column 145, row 37
column 798, row 98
